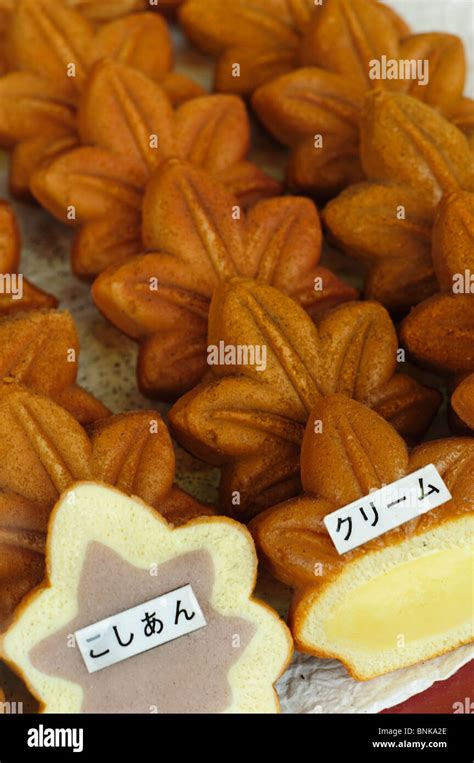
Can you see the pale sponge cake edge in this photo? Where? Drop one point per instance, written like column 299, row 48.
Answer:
column 381, row 611
column 94, row 512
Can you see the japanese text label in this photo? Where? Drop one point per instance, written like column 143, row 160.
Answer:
column 140, row 628
column 384, row 509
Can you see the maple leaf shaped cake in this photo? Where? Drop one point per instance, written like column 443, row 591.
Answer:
column 128, row 129
column 256, row 41
column 43, row 450
column 261, row 37
column 447, row 323
column 463, row 401
column 452, row 310
column 124, row 555
column 98, row 11
column 51, row 48
column 447, row 318
column 16, row 294
column 197, row 237
column 347, row 36
column 412, row 224
column 317, row 109
column 453, row 242
column 249, row 415
column 399, row 599
column 34, row 343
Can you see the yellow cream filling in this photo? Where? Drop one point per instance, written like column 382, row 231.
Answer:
column 417, row 600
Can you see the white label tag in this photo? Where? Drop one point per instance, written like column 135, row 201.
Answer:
column 384, row 509
column 139, row 629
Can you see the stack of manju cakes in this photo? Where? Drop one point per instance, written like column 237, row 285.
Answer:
column 306, row 392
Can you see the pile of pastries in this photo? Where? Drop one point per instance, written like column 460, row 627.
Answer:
column 307, row 389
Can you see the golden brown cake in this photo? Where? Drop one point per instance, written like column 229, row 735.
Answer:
column 17, row 294
column 128, row 128
column 318, row 111
column 411, row 225
column 40, row 350
column 51, row 47
column 256, row 41
column 249, row 415
column 463, row 401
column 162, row 298
column 375, row 608
column 261, row 36
column 439, row 333
column 43, row 450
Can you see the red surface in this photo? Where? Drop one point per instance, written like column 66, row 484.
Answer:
column 442, row 696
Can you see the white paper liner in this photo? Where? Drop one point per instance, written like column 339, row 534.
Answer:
column 312, row 685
